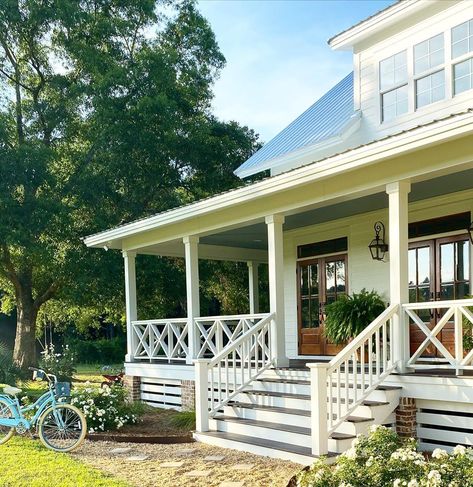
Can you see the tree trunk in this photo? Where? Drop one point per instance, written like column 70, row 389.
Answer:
column 24, row 353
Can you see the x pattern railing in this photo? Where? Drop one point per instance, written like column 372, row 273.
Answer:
column 459, row 313
column 161, row 339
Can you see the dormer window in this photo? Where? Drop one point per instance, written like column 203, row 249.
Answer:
column 429, row 54
column 462, row 39
column 393, row 85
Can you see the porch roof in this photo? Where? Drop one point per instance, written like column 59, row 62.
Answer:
column 439, row 131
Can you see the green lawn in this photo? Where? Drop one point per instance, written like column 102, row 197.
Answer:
column 25, row 462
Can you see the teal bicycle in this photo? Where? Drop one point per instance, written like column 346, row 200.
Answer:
column 60, row 426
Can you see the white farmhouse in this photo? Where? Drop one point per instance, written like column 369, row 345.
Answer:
column 388, row 154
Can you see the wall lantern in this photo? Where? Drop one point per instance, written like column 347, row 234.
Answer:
column 470, row 231
column 378, row 247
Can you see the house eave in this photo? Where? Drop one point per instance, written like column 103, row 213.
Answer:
column 449, row 128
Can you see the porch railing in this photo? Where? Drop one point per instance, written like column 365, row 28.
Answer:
column 222, row 378
column 168, row 339
column 457, row 314
column 339, row 387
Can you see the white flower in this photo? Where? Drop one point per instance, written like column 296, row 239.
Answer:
column 459, row 450
column 397, row 483
column 413, row 483
column 350, row 454
column 438, row 453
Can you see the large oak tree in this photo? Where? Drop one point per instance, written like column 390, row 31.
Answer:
column 104, row 117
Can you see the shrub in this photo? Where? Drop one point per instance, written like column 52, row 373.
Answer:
column 381, row 459
column 350, row 315
column 9, row 373
column 105, row 408
column 61, row 364
column 99, row 351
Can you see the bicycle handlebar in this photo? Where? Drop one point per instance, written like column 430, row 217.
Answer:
column 50, row 377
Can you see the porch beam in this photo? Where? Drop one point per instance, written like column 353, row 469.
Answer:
column 191, row 248
column 398, row 193
column 276, row 287
column 129, row 260
column 253, row 286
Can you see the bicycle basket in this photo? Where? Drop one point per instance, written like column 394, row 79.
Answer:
column 63, row 389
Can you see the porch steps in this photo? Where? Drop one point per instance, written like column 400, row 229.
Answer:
column 278, row 406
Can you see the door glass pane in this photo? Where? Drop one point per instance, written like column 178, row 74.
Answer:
column 462, row 290
column 305, row 313
column 412, row 267
column 447, row 262
column 304, row 281
column 314, row 279
column 462, row 261
column 314, row 313
column 447, row 291
column 423, row 265
column 341, row 271
column 330, row 277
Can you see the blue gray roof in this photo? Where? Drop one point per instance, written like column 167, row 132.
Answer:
column 325, row 119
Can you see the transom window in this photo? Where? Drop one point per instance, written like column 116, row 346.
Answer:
column 462, row 39
column 429, row 54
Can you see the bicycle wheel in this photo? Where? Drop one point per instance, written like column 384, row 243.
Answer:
column 62, row 428
column 6, row 411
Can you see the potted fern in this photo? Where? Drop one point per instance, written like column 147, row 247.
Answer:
column 350, row 315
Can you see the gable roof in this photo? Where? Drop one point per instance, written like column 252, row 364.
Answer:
column 325, row 119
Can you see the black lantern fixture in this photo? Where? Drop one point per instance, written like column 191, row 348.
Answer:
column 470, row 231
column 378, row 247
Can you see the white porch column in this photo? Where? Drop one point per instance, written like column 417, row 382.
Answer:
column 129, row 259
column 398, row 264
column 191, row 245
column 276, row 287
column 253, row 280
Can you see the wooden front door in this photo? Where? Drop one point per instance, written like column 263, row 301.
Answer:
column 439, row 269
column 321, row 281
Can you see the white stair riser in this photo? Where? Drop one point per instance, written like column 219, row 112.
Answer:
column 260, row 432
column 281, row 387
column 339, row 446
column 269, row 416
column 286, row 374
column 357, row 428
column 283, row 402
column 376, row 395
column 257, row 450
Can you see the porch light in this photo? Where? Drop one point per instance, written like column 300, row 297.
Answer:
column 378, row 247
column 470, row 231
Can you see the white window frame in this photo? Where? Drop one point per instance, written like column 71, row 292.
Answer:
column 393, row 87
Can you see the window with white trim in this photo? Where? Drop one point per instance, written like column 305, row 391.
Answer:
column 462, row 39
column 430, row 88
column 393, row 85
column 429, row 54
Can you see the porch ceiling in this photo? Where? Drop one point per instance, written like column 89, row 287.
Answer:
column 254, row 237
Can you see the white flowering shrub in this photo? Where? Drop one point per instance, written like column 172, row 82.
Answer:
column 105, row 408
column 381, row 459
column 62, row 364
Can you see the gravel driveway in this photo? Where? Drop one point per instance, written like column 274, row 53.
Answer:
column 185, row 465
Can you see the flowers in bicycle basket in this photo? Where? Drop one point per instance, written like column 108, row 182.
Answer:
column 105, row 408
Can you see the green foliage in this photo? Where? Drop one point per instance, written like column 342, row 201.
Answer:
column 104, row 118
column 9, row 373
column 184, row 420
column 104, row 351
column 467, row 331
column 27, row 462
column 105, row 408
column 350, row 315
column 381, row 459
column 61, row 364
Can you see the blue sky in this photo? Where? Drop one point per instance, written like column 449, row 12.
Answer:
column 278, row 60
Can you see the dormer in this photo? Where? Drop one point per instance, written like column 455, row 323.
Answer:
column 412, row 64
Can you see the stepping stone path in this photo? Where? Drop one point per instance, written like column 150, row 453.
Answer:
column 138, row 458
column 172, row 464
column 214, row 458
column 243, row 466
column 198, row 473
column 232, row 484
column 186, row 451
column 120, row 451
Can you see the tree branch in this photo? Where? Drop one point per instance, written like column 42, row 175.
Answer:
column 46, row 295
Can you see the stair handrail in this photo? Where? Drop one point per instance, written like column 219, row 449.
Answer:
column 239, row 363
column 332, row 404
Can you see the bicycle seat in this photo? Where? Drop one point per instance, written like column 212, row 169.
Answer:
column 12, row 391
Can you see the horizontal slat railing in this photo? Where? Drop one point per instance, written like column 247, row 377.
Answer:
column 458, row 313
column 220, row 379
column 166, row 340
column 339, row 387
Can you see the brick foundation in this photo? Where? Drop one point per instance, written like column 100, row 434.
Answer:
column 188, row 395
column 132, row 385
column 406, row 418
